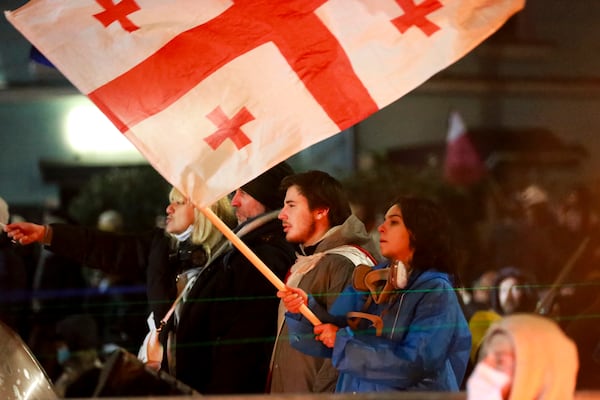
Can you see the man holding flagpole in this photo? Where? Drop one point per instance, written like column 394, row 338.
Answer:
column 331, row 242
column 226, row 328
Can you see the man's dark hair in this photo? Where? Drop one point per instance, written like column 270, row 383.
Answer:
column 321, row 191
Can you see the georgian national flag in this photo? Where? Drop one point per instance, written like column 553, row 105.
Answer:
column 214, row 92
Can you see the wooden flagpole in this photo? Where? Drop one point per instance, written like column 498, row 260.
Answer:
column 544, row 306
column 257, row 262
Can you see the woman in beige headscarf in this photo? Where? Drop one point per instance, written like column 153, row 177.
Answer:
column 525, row 357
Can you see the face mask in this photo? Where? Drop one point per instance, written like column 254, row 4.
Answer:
column 399, row 275
column 62, row 354
column 487, row 383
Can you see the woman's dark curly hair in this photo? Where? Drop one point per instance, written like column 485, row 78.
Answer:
column 430, row 235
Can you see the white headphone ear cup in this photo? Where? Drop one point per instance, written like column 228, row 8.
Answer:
column 400, row 275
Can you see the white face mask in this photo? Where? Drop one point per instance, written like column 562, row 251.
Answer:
column 487, row 383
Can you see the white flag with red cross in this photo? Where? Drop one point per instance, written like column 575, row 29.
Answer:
column 214, row 92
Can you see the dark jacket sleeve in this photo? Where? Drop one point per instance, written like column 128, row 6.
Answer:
column 124, row 254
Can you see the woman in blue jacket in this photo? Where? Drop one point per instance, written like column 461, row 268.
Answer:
column 399, row 326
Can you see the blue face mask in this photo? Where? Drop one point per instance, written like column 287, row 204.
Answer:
column 62, row 354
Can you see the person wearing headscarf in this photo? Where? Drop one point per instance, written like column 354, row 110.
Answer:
column 524, row 357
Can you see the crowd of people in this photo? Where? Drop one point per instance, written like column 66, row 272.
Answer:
column 387, row 310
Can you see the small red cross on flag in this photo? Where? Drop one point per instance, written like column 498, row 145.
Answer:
column 214, row 92
column 118, row 12
column 228, row 128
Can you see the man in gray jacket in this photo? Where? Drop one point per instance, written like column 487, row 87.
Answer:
column 331, row 242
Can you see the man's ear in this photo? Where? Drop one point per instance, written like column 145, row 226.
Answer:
column 322, row 213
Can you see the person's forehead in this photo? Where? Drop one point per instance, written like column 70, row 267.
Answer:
column 295, row 193
column 499, row 342
column 176, row 195
column 394, row 211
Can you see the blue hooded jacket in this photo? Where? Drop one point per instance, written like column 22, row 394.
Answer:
column 424, row 346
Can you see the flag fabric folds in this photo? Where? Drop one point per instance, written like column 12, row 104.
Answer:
column 214, row 92
column 463, row 165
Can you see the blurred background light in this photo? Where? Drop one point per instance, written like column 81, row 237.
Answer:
column 90, row 133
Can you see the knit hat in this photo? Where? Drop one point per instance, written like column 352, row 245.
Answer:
column 265, row 187
column 3, row 211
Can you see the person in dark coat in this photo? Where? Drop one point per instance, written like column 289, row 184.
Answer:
column 225, row 325
column 158, row 255
column 77, row 352
column 13, row 281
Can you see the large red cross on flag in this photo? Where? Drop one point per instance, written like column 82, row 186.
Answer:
column 214, row 92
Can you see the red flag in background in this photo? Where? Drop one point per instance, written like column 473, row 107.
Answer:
column 463, row 166
column 214, row 92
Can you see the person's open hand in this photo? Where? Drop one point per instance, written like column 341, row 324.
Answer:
column 293, row 298
column 326, row 333
column 154, row 351
column 25, row 232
